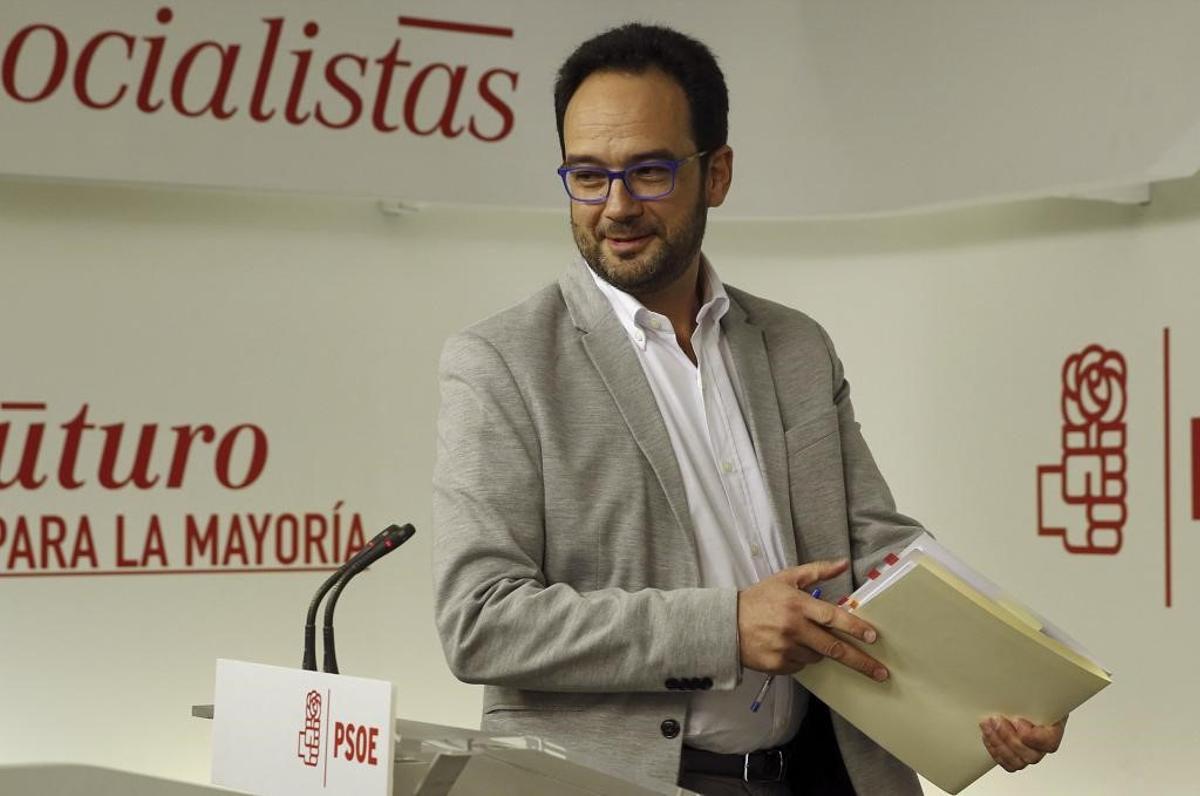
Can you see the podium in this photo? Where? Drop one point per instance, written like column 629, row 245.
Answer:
column 439, row 760
column 79, row 780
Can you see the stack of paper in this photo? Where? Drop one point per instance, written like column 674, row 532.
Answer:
column 958, row 650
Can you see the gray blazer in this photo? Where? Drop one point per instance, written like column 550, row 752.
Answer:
column 565, row 568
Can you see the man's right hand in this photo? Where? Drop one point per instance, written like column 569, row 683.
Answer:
column 781, row 627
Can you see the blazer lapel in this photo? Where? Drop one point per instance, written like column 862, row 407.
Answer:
column 760, row 406
column 608, row 346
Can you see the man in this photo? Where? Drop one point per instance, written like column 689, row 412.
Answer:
column 633, row 463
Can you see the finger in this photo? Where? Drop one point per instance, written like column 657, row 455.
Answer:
column 1003, row 757
column 1006, row 735
column 805, row 575
column 1042, row 737
column 829, row 615
column 845, row 653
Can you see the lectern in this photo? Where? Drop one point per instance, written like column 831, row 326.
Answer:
column 438, row 760
column 81, row 780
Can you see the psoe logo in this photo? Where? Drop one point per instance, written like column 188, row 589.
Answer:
column 1082, row 498
column 309, row 743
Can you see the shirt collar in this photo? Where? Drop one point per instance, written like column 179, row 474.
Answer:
column 637, row 320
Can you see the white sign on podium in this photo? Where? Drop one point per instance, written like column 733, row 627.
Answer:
column 292, row 731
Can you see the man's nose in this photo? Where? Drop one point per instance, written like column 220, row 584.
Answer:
column 621, row 203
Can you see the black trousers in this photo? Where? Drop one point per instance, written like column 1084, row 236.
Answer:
column 818, row 769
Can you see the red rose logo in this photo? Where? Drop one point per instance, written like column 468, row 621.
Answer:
column 308, row 746
column 1082, row 499
column 1093, row 387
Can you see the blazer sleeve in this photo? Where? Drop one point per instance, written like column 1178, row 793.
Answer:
column 876, row 527
column 500, row 621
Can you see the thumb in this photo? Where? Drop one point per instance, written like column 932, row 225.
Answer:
column 806, row 575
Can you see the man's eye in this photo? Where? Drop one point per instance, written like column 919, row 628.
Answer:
column 589, row 179
column 650, row 174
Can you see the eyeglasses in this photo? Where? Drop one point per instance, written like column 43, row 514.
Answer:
column 645, row 181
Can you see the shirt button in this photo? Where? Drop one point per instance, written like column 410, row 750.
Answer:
column 641, row 338
column 755, row 550
column 655, row 323
column 727, row 467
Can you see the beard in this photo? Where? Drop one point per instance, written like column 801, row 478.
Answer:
column 665, row 259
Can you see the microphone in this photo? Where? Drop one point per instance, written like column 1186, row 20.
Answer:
column 385, row 542
column 309, row 662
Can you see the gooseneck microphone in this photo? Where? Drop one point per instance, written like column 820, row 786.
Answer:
column 380, row 545
column 392, row 537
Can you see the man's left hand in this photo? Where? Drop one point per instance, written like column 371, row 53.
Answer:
column 1016, row 743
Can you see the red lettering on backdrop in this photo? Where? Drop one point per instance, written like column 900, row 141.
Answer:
column 145, row 102
column 50, row 544
column 235, row 544
column 228, row 55
column 343, row 88
column 53, row 534
column 138, row 475
column 299, row 75
column 21, row 549
column 74, row 429
column 500, row 106
column 28, row 474
column 189, row 62
column 388, row 63
column 1082, row 499
column 8, row 71
column 85, row 547
column 84, row 65
column 445, row 123
column 265, row 65
column 152, row 546
column 258, row 456
column 184, row 435
column 196, row 544
column 123, row 561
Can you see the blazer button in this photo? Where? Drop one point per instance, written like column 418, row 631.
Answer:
column 670, row 728
column 672, row 684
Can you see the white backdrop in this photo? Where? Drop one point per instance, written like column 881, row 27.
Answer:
column 841, row 107
column 321, row 320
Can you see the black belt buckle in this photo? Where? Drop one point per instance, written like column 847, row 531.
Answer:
column 773, row 756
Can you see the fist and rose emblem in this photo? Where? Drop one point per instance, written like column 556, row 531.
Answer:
column 1082, row 498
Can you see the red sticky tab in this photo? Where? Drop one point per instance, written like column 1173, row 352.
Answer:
column 891, row 559
column 874, row 573
column 843, row 600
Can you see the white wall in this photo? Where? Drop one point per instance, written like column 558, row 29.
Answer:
column 321, row 320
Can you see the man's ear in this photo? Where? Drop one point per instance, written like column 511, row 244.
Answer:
column 719, row 176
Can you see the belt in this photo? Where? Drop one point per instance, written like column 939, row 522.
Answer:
column 767, row 765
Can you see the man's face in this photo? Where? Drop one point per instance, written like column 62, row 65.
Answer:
column 616, row 119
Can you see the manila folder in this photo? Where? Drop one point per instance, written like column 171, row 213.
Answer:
column 955, row 657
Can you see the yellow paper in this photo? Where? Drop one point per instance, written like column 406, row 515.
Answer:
column 955, row 657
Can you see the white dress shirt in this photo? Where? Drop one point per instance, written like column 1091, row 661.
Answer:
column 737, row 533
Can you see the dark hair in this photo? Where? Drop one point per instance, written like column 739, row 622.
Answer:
column 637, row 48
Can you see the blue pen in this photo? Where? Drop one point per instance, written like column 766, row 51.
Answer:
column 762, row 692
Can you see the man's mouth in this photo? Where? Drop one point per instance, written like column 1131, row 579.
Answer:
column 625, row 244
